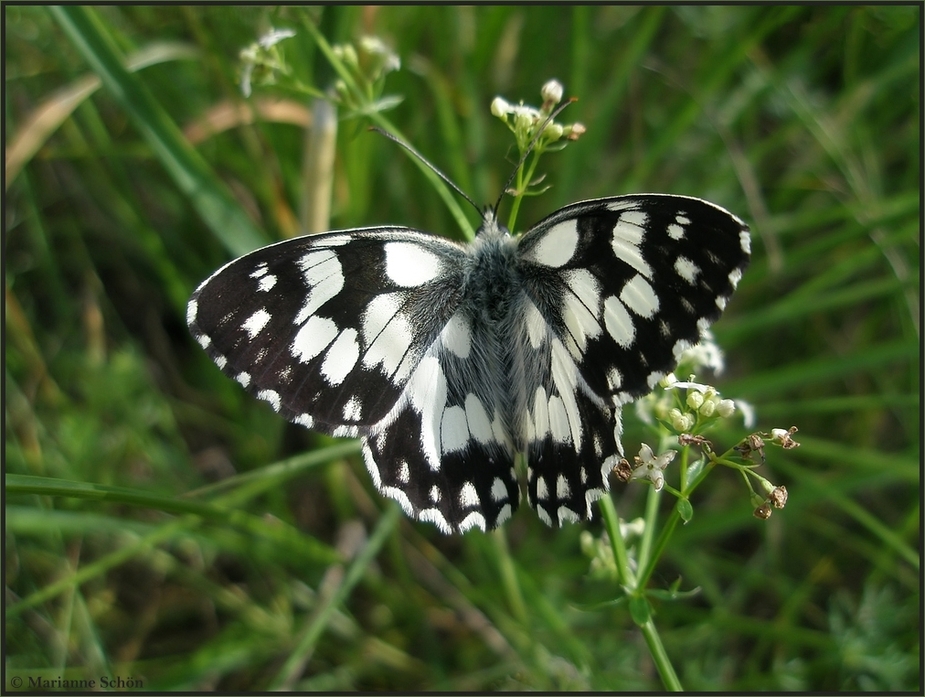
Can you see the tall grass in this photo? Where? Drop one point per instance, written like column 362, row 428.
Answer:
column 163, row 526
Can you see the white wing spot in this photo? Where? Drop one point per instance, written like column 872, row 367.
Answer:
column 558, row 420
column 473, row 520
column 426, row 391
column 675, row 232
column 402, row 498
column 454, row 433
column 541, row 491
column 341, row 357
column 567, row 515
column 579, row 307
column 271, row 396
column 745, row 241
column 735, row 276
column 557, row 247
column 404, row 472
column 435, row 494
column 564, row 375
column 592, row 495
column 618, row 322
column 686, row 269
column 504, row 514
column 352, row 409
column 324, row 277
column 432, row 515
column 536, row 325
column 254, row 324
column 614, row 378
column 243, row 378
column 563, row 490
column 192, row 309
column 682, row 219
column 409, row 265
column 266, row 283
column 627, row 235
column 389, row 335
column 639, row 297
column 304, row 420
column 314, row 336
column 498, row 490
column 457, row 336
column 477, row 418
column 468, row 496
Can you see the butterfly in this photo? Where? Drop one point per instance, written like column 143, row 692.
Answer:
column 450, row 360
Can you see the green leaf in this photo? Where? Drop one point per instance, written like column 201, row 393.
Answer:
column 192, row 175
column 685, row 510
column 640, row 609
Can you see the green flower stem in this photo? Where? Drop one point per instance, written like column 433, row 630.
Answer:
column 660, row 657
column 633, row 588
column 648, row 533
column 646, row 569
column 625, row 573
column 376, row 117
column 509, row 581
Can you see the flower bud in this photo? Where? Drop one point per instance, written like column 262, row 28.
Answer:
column 552, row 92
column 500, row 107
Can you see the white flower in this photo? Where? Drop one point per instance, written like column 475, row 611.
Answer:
column 374, row 46
column 706, row 354
column 785, row 438
column 552, row 92
column 500, row 107
column 650, row 467
column 274, row 36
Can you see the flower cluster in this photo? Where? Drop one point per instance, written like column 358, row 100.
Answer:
column 262, row 62
column 684, row 410
column 600, row 551
column 366, row 66
column 525, row 121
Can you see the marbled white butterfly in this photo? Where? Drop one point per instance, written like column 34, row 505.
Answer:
column 448, row 360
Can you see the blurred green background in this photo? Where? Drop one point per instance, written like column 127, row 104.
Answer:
column 163, row 525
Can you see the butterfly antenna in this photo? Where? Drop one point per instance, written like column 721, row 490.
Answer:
column 427, row 162
column 523, row 158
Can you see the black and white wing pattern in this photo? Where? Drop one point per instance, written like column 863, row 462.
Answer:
column 616, row 289
column 449, row 360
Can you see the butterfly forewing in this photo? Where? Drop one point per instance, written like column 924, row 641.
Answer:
column 639, row 279
column 329, row 328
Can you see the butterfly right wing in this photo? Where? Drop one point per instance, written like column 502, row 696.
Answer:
column 617, row 289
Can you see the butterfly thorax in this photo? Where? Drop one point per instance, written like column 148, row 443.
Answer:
column 491, row 278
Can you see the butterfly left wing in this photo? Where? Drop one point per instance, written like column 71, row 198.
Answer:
column 617, row 289
column 360, row 333
column 328, row 328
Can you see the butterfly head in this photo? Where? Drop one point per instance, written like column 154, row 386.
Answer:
column 491, row 229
